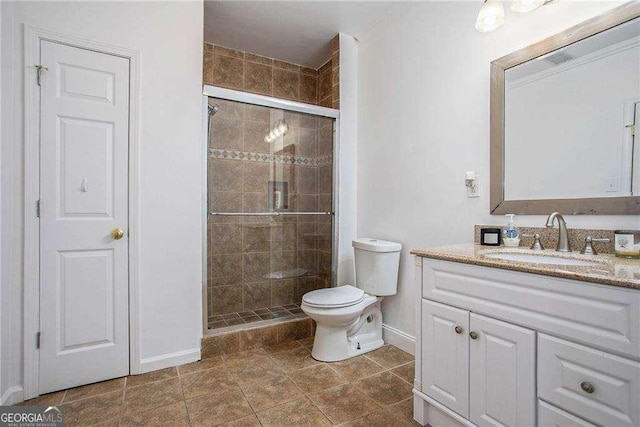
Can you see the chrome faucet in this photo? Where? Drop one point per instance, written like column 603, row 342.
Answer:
column 563, row 237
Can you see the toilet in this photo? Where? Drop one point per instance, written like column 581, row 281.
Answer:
column 348, row 318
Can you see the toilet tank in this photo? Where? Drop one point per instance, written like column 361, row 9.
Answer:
column 377, row 263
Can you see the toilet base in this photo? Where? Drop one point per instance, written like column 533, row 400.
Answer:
column 335, row 343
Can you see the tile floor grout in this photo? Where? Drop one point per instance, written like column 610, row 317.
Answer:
column 227, row 362
column 283, row 312
column 124, row 399
column 184, row 398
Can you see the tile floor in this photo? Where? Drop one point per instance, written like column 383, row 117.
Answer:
column 251, row 316
column 272, row 386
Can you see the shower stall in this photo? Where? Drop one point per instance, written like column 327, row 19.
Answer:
column 270, row 211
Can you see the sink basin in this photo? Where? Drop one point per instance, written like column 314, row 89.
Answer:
column 539, row 259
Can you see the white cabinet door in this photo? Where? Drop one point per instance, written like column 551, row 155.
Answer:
column 84, row 289
column 502, row 373
column 445, row 355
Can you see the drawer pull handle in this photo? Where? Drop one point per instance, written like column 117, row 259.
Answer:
column 587, row 387
column 473, row 335
column 458, row 329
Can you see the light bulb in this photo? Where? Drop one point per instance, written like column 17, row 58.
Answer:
column 524, row 6
column 490, row 16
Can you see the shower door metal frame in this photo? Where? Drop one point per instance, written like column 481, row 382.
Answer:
column 264, row 101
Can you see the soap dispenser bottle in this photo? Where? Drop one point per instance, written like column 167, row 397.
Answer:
column 511, row 235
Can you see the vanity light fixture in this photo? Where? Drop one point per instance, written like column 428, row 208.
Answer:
column 491, row 14
column 525, row 6
column 278, row 130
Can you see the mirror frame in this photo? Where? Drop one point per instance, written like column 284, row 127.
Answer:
column 593, row 206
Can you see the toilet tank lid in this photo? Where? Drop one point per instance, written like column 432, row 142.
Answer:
column 376, row 245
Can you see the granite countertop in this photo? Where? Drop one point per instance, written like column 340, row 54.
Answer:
column 609, row 270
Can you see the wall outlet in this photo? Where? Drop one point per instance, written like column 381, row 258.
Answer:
column 611, row 185
column 473, row 191
column 471, row 183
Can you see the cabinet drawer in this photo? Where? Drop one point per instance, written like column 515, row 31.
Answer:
column 599, row 387
column 600, row 316
column 550, row 416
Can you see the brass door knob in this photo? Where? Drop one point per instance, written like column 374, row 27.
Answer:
column 473, row 335
column 458, row 329
column 587, row 387
column 117, row 233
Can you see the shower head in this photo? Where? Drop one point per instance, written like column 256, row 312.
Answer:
column 212, row 110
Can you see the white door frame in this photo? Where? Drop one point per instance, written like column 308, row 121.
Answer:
column 32, row 37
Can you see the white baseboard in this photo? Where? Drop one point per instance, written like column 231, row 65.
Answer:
column 397, row 338
column 12, row 396
column 168, row 360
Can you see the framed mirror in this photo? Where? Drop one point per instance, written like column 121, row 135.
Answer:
column 565, row 121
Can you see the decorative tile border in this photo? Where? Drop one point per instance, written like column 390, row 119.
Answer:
column 270, row 158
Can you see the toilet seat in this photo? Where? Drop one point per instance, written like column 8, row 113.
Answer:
column 341, row 296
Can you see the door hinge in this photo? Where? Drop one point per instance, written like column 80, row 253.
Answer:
column 633, row 128
column 38, row 208
column 39, row 69
column 38, row 340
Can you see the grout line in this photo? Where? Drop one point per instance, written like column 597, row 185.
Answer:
column 124, row 397
column 184, row 398
column 243, row 393
column 90, row 396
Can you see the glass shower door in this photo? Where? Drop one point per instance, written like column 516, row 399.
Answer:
column 270, row 197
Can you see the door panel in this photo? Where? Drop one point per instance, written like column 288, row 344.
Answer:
column 445, row 372
column 86, row 157
column 74, row 290
column 502, row 373
column 84, row 311
column 86, row 83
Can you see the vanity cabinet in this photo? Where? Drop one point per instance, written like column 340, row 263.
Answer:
column 481, row 368
column 501, row 347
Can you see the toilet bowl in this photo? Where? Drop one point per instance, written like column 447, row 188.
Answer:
column 348, row 318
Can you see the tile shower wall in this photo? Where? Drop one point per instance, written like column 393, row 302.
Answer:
column 244, row 251
column 329, row 78
column 235, row 69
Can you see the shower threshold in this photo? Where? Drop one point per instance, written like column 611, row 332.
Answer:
column 257, row 317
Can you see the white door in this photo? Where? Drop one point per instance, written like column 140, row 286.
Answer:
column 84, row 314
column 502, row 373
column 445, row 353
